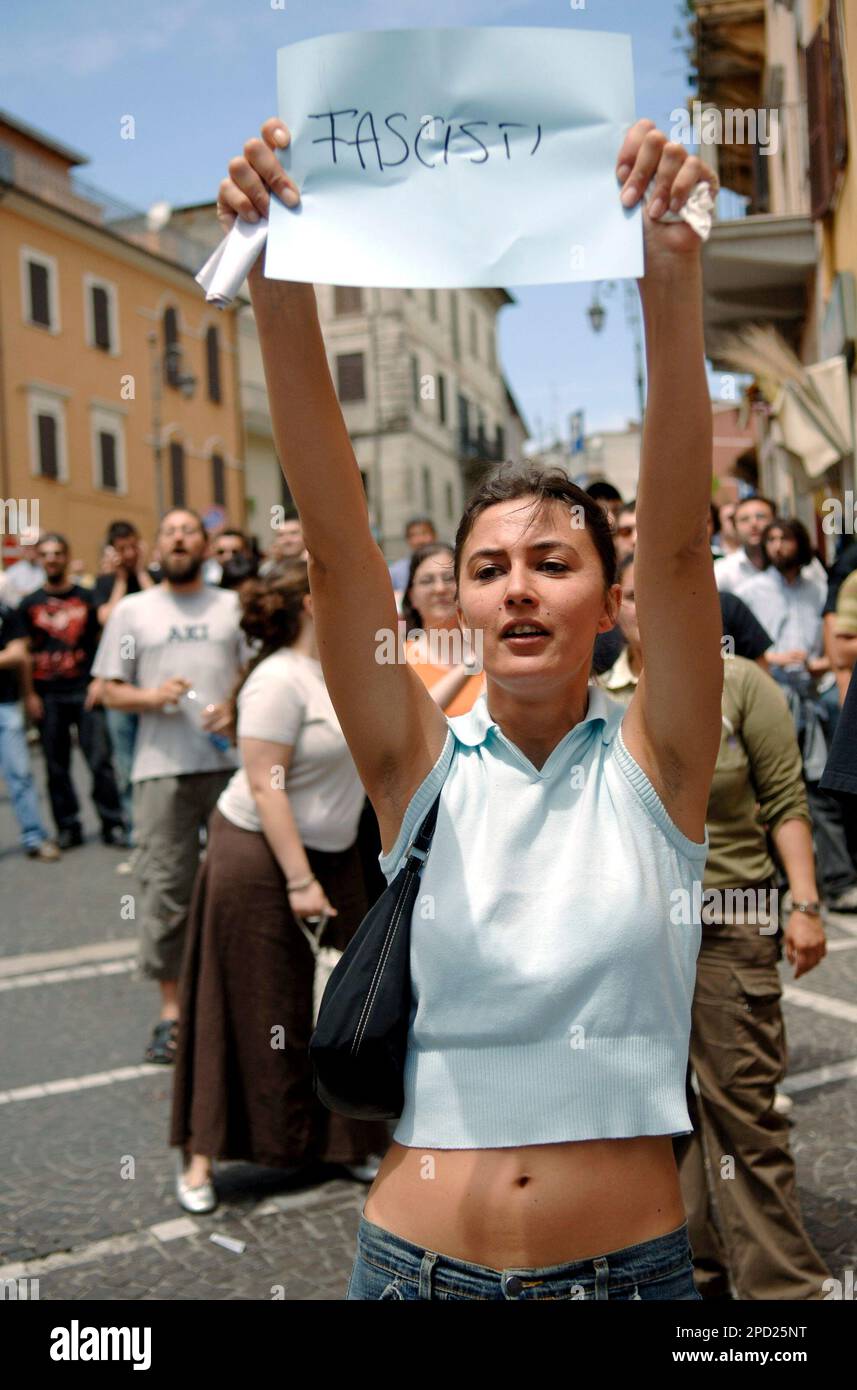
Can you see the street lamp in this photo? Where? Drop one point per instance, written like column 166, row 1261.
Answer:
column 597, row 315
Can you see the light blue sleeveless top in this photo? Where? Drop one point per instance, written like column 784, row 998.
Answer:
column 551, row 988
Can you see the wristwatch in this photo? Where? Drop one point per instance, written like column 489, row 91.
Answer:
column 811, row 909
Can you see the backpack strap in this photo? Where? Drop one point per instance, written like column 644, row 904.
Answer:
column 419, row 848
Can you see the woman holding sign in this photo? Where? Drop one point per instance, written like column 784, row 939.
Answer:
column 549, row 1034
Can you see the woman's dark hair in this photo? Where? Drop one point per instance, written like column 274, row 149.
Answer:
column 544, row 485
column 271, row 613
column 798, row 533
column 424, row 552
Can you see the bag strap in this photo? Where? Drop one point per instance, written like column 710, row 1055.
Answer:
column 418, row 851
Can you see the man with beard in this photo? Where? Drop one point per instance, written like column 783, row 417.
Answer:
column 171, row 655
column 732, row 572
column 62, row 628
column 789, row 605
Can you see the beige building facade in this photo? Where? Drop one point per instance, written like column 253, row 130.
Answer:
column 118, row 383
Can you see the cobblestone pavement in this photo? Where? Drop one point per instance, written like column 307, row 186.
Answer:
column 76, row 1106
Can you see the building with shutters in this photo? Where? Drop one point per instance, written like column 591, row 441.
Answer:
column 783, row 255
column 118, row 384
column 421, row 388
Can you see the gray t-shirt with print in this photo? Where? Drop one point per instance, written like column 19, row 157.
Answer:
column 159, row 634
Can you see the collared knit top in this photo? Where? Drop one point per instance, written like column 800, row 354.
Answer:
column 552, row 983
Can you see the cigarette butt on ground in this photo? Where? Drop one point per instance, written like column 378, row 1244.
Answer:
column 236, row 1246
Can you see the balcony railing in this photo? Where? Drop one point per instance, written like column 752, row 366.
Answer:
column 74, row 195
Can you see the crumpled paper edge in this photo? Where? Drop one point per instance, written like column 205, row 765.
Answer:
column 228, row 267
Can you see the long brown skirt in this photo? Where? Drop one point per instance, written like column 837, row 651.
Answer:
column 243, row 1080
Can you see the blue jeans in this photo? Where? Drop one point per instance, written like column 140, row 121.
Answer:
column 386, row 1266
column 122, row 728
column 16, row 772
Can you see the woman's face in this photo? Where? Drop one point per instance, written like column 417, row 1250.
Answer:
column 525, row 566
column 432, row 591
column 628, row 611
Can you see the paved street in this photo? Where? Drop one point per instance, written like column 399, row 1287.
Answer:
column 86, row 1178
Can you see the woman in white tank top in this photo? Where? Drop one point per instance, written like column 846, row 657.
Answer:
column 598, row 1217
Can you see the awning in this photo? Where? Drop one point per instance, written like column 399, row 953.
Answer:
column 757, row 270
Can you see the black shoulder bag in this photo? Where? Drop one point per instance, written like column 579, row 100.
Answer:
column 361, row 1036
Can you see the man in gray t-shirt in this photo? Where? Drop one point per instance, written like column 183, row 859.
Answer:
column 172, row 655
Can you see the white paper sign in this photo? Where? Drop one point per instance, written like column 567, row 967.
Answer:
column 455, row 157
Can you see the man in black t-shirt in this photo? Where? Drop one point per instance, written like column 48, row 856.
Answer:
column 14, row 754
column 62, row 626
column 127, row 573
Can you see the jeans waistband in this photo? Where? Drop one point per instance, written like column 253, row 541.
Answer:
column 615, row 1269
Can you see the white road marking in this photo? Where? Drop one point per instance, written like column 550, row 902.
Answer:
column 822, row 1003
column 75, row 972
column 75, row 955
column 153, row 1236
column 821, row 1076
column 80, row 1083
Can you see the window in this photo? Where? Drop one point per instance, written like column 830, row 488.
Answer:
column 100, row 314
column 177, row 478
column 172, row 370
column 39, row 289
column 415, row 378
column 108, row 462
column 218, row 480
column 474, row 333
column 428, row 499
column 480, row 433
column 463, row 423
column 108, row 449
column 212, row 361
column 350, row 380
column 499, row 442
column 347, row 299
column 450, row 502
column 826, row 107
column 441, row 398
column 453, row 324
column 48, row 456
column 48, row 449
column 432, row 305
column 364, row 478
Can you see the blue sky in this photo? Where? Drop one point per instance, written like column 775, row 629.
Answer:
column 199, row 76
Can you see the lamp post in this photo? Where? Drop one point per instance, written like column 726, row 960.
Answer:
column 186, row 383
column 597, row 314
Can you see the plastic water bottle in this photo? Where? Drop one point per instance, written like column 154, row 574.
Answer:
column 192, row 705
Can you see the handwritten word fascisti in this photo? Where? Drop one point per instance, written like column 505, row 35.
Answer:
column 460, row 139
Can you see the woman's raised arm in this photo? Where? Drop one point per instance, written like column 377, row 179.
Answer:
column 672, row 727
column 394, row 729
